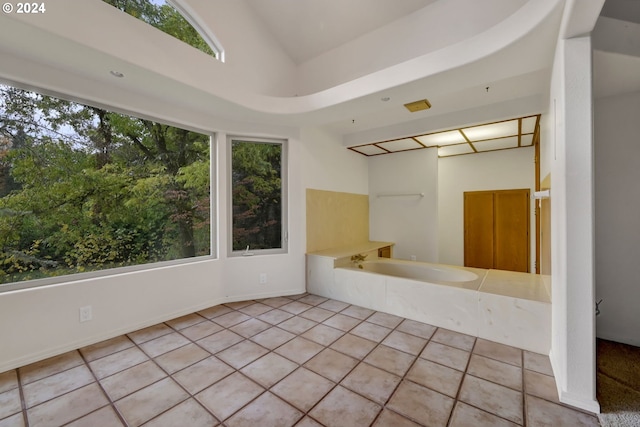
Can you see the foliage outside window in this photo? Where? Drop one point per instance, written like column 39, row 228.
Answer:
column 84, row 189
column 167, row 19
column 257, row 192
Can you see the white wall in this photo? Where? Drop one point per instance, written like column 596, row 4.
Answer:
column 412, row 221
column 41, row 322
column 327, row 165
column 567, row 154
column 617, row 223
column 497, row 170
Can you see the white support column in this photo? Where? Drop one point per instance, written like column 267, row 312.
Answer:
column 579, row 385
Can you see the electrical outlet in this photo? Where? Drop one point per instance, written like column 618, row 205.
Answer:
column 413, row 257
column 86, row 313
column 263, row 278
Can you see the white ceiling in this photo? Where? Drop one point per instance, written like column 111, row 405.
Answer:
column 493, row 74
column 625, row 10
column 616, row 58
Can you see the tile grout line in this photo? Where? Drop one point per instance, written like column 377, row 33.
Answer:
column 111, row 403
column 266, row 390
column 464, row 374
column 84, row 363
column 169, row 376
column 524, row 392
column 23, row 403
column 300, row 315
column 210, row 355
column 336, row 383
column 492, row 382
column 223, row 421
column 404, row 376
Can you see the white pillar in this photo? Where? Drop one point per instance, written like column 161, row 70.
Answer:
column 573, row 279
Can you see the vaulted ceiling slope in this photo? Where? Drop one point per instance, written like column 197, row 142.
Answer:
column 292, row 63
column 616, row 44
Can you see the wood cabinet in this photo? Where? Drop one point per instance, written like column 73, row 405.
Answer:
column 384, row 252
column 496, row 229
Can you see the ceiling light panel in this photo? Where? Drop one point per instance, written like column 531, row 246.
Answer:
column 526, row 140
column 492, row 131
column 454, row 150
column 368, row 150
column 400, row 145
column 497, row 144
column 442, row 138
column 415, row 106
column 529, row 124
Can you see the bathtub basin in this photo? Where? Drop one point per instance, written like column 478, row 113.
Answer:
column 422, row 271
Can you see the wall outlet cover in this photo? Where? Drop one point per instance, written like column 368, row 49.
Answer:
column 86, row 313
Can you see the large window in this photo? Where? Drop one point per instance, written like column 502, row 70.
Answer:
column 170, row 18
column 85, row 189
column 258, row 196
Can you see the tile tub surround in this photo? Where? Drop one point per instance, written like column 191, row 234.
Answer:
column 241, row 365
column 502, row 306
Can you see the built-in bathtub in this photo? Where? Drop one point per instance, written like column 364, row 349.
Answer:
column 506, row 307
column 422, row 271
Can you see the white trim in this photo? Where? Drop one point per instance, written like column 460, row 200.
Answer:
column 284, row 166
column 199, row 25
column 572, row 399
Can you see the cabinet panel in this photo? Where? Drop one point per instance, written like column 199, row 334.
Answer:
column 511, row 230
column 384, row 252
column 496, row 229
column 478, row 229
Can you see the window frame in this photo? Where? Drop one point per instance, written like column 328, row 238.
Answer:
column 284, row 179
column 96, row 274
column 200, row 28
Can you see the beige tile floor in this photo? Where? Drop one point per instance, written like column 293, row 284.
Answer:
column 301, row 360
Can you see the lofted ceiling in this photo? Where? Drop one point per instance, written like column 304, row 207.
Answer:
column 308, row 28
column 346, row 66
column 616, row 64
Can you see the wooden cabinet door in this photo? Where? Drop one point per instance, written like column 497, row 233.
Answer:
column 478, row 229
column 511, row 230
column 496, row 229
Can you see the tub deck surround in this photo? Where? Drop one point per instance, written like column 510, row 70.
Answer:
column 507, row 307
column 343, row 253
column 517, row 285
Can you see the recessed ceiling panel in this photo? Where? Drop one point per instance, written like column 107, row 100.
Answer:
column 454, row 150
column 492, row 131
column 526, row 140
column 529, row 124
column 368, row 150
column 441, row 138
column 497, row 144
column 488, row 137
column 400, row 145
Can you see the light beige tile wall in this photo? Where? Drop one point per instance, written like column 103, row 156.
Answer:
column 336, row 219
